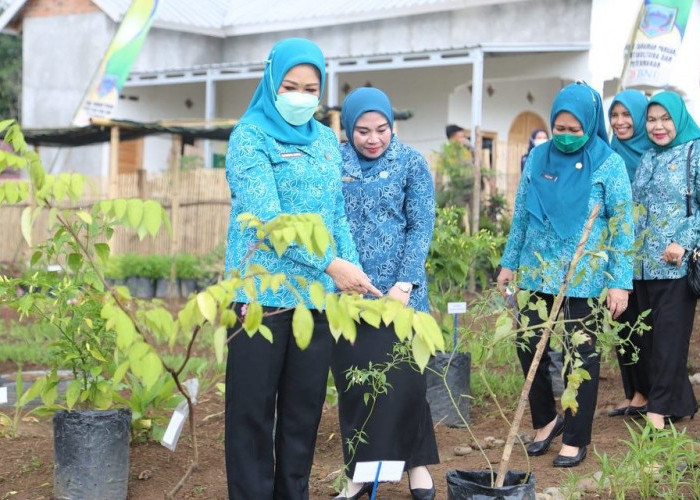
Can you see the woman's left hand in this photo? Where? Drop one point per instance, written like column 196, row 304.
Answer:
column 674, row 254
column 396, row 293
column 617, row 301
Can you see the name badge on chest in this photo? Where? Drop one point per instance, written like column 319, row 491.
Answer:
column 549, row 177
column 295, row 154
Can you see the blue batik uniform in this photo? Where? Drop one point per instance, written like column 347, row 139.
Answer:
column 542, row 256
column 268, row 177
column 391, row 210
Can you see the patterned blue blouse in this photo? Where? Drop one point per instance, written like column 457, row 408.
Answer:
column 267, row 178
column 542, row 258
column 659, row 187
column 391, row 209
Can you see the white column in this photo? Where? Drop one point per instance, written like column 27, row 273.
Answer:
column 477, row 91
column 209, row 114
column 332, row 84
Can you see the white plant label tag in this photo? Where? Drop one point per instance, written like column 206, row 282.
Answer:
column 456, row 307
column 172, row 433
column 390, row 470
column 3, row 395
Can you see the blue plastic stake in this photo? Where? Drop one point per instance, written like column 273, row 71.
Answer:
column 454, row 336
column 376, row 481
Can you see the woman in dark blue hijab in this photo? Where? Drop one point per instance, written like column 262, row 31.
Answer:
column 627, row 115
column 390, row 205
column 563, row 180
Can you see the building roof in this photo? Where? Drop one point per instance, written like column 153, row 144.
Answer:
column 223, row 18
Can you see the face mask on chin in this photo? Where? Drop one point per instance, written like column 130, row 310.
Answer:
column 539, row 142
column 296, row 108
column 569, row 143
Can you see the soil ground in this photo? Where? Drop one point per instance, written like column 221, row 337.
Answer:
column 26, row 462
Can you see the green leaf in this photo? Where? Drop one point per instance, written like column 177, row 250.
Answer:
column 152, row 213
column 76, row 187
column 119, row 208
column 228, row 318
column 403, row 323
column 219, row 343
column 134, row 212
column 266, row 333
column 391, row 309
column 253, row 318
column 153, row 368
column 74, row 261
column 302, row 326
column 26, row 225
column 504, row 326
column 126, row 332
column 207, row 306
column 421, row 352
column 102, row 250
column 36, row 388
column 84, row 216
column 318, row 295
column 332, row 313
column 73, row 393
column 372, row 317
column 119, row 373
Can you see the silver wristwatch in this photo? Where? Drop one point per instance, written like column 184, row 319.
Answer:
column 404, row 286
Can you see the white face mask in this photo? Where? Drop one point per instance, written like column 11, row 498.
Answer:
column 538, row 142
column 296, row 108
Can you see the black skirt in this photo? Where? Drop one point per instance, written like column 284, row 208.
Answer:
column 399, row 426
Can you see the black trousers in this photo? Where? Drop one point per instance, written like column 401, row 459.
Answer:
column 264, row 377
column 400, row 426
column 672, row 313
column 578, row 427
column 635, row 375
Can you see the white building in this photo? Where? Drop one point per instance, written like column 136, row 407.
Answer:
column 494, row 64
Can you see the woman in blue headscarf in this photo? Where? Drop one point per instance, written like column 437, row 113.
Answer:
column 281, row 160
column 390, row 204
column 627, row 115
column 667, row 186
column 563, row 180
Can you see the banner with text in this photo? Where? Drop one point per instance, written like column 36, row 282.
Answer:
column 102, row 95
column 655, row 43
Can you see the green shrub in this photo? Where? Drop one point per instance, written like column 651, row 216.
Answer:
column 188, row 266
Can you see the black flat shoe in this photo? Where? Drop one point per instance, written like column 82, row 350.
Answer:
column 562, row 461
column 365, row 490
column 421, row 493
column 617, row 412
column 637, row 411
column 537, row 448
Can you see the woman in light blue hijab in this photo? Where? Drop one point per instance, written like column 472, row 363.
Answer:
column 282, row 161
column 628, row 116
column 563, row 180
column 390, row 205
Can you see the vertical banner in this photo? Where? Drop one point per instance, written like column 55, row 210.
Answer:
column 102, row 95
column 656, row 41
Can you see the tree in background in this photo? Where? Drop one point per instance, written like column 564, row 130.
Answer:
column 10, row 75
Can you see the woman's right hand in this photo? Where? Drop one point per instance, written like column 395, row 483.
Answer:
column 504, row 278
column 350, row 278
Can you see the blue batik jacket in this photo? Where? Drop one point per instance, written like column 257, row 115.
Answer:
column 542, row 258
column 659, row 188
column 391, row 209
column 267, row 178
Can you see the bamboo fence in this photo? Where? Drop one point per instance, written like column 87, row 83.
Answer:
column 200, row 198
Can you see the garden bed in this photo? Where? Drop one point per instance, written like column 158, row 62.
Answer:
column 26, row 467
